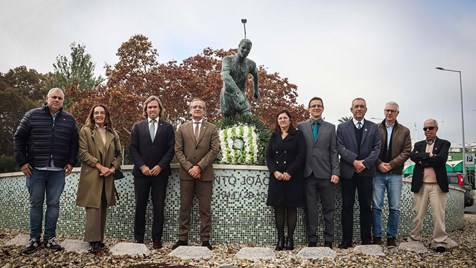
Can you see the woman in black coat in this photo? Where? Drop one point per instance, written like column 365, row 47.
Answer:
column 285, row 158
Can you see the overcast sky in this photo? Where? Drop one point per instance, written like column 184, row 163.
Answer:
column 338, row 50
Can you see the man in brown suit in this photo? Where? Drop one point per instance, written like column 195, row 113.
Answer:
column 196, row 147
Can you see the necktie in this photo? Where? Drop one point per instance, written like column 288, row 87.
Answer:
column 152, row 129
column 359, row 125
column 315, row 129
column 197, row 129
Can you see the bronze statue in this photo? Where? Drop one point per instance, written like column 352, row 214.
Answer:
column 234, row 71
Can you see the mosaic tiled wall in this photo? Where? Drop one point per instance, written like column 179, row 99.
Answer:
column 240, row 214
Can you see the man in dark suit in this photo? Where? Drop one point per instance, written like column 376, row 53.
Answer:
column 430, row 184
column 152, row 149
column 358, row 144
column 196, row 147
column 321, row 172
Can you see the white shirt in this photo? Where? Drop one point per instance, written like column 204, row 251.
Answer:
column 356, row 122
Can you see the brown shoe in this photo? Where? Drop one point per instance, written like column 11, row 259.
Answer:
column 377, row 241
column 391, row 242
column 157, row 244
column 180, row 243
column 207, row 244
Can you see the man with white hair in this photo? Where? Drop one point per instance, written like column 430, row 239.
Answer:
column 430, row 184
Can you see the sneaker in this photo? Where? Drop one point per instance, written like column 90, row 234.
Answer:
column 33, row 245
column 52, row 245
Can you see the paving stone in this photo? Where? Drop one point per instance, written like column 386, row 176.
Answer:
column 129, row 249
column 372, row 250
column 192, row 253
column 317, row 253
column 19, row 240
column 74, row 245
column 450, row 243
column 414, row 246
column 250, row 253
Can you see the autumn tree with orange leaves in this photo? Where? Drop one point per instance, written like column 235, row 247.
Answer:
column 138, row 75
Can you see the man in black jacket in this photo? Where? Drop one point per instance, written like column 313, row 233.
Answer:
column 430, row 184
column 152, row 149
column 46, row 148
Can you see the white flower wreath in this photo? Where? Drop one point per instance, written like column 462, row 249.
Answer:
column 239, row 145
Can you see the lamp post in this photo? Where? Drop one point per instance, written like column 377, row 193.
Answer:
column 462, row 114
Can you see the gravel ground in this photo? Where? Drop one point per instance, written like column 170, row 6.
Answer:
column 223, row 256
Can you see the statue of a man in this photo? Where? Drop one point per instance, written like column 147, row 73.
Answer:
column 234, row 71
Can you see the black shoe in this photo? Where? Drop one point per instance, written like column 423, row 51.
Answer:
column 207, row 244
column 52, row 245
column 157, row 244
column 377, row 240
column 280, row 245
column 33, row 245
column 391, row 242
column 102, row 245
column 328, row 244
column 440, row 249
column 366, row 242
column 289, row 243
column 345, row 245
column 312, row 244
column 179, row 243
column 95, row 247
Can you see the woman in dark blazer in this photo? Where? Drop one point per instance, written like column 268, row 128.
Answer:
column 285, row 158
column 100, row 153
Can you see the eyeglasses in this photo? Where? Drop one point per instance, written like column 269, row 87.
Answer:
column 428, row 128
column 56, row 97
column 197, row 107
column 316, row 106
column 390, row 111
column 98, row 113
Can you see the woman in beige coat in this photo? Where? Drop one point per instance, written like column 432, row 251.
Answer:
column 100, row 153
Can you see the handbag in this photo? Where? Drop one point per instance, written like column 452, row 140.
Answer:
column 118, row 174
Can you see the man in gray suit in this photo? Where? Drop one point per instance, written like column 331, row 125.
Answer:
column 321, row 171
column 358, row 144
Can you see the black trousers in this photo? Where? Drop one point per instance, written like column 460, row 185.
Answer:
column 364, row 190
column 143, row 188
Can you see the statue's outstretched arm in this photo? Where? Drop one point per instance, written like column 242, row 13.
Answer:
column 254, row 72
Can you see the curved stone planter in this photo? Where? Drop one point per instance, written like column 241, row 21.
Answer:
column 240, row 214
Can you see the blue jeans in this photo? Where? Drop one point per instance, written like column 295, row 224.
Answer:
column 393, row 184
column 41, row 183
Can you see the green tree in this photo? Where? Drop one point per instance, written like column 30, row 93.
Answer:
column 345, row 119
column 76, row 70
column 21, row 89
